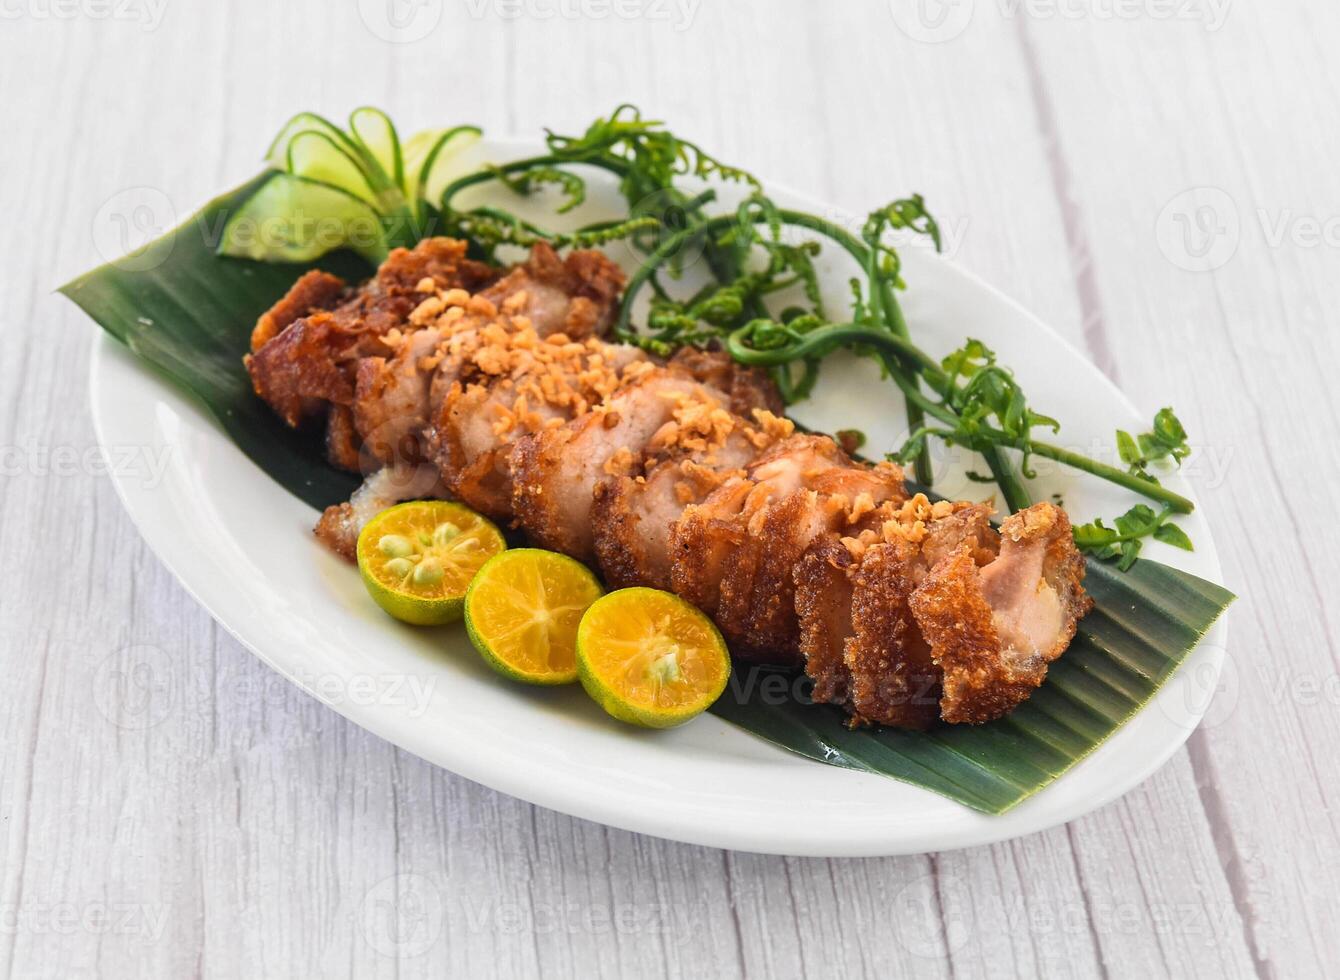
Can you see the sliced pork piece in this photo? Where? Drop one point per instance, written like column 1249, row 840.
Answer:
column 824, row 608
column 807, row 489
column 706, row 540
column 313, row 292
column 515, row 388
column 748, row 387
column 632, row 518
column 893, row 678
column 306, row 348
column 391, row 405
column 342, row 439
column 874, row 661
column 305, row 368
column 688, row 457
column 993, row 629
column 555, row 471
column 577, row 295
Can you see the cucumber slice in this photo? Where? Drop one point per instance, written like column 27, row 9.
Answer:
column 319, row 157
column 428, row 157
column 277, row 155
column 374, row 129
column 291, row 219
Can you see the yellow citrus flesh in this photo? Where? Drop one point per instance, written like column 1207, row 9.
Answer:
column 650, row 658
column 418, row 558
column 522, row 611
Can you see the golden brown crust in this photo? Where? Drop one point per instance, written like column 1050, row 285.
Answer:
column 958, row 623
column 301, row 370
column 824, row 607
column 757, row 612
column 790, row 529
column 303, row 361
column 342, row 439
column 894, row 679
column 314, row 291
column 970, row 614
column 333, row 529
column 483, row 481
column 619, row 551
column 748, row 388
column 577, row 295
column 534, row 509
column 705, row 541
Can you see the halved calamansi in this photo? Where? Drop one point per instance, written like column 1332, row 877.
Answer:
column 417, row 558
column 650, row 658
column 522, row 612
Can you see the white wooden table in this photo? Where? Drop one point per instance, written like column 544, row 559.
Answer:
column 245, row 830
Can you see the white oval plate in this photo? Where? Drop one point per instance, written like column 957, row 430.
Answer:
column 242, row 546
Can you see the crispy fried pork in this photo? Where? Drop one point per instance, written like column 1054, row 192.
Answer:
column 993, row 628
column 803, row 490
column 443, row 377
column 324, row 345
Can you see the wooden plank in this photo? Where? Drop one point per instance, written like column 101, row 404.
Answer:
column 1183, row 107
column 250, row 830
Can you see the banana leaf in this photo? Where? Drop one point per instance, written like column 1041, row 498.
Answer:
column 188, row 312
